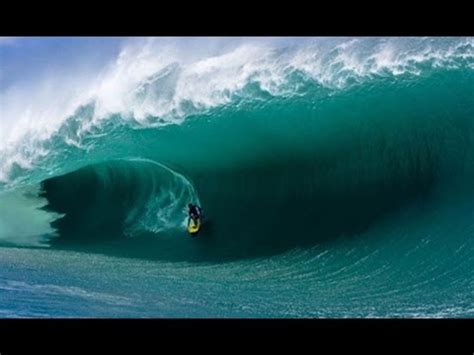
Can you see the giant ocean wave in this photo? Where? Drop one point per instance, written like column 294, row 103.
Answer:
column 350, row 158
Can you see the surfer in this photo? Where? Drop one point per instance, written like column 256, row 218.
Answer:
column 194, row 212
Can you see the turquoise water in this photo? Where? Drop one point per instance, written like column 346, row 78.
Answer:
column 339, row 192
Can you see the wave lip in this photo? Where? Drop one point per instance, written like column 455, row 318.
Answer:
column 153, row 86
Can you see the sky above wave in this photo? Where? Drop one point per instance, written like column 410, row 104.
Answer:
column 25, row 58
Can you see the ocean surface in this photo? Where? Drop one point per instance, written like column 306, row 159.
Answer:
column 336, row 177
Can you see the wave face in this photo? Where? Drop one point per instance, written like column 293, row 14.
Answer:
column 322, row 168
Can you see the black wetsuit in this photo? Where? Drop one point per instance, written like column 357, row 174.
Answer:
column 194, row 212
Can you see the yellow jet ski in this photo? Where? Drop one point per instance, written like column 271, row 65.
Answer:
column 194, row 226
